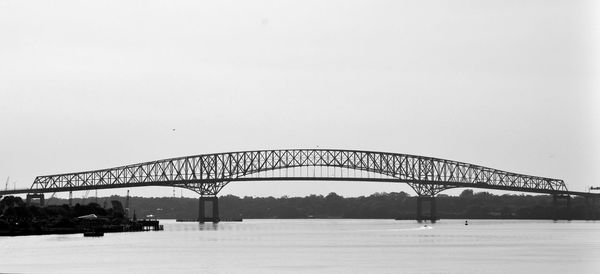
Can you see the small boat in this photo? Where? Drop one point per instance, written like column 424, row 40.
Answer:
column 93, row 234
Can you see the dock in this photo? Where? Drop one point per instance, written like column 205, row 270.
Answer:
column 220, row 220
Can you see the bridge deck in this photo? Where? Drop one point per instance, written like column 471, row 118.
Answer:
column 208, row 174
column 385, row 180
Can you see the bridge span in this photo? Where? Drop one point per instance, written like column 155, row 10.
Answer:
column 207, row 174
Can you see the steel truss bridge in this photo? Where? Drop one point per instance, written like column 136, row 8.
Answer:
column 207, row 174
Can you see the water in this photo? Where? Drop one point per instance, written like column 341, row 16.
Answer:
column 319, row 246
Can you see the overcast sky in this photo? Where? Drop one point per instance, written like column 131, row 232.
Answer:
column 96, row 84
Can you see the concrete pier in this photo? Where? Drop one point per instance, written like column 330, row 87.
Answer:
column 432, row 209
column 214, row 202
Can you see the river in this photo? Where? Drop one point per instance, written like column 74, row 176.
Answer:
column 319, row 246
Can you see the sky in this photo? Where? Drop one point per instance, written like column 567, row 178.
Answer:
column 511, row 85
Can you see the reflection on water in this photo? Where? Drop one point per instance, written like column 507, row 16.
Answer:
column 318, row 246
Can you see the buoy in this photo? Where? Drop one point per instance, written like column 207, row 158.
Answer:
column 466, row 223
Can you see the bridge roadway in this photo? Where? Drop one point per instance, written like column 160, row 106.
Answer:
column 207, row 174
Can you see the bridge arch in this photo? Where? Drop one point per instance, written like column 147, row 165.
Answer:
column 207, row 174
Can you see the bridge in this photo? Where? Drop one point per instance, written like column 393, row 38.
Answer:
column 207, row 174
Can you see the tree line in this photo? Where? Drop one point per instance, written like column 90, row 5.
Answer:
column 19, row 218
column 401, row 205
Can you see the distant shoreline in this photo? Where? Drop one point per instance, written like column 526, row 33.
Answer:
column 395, row 205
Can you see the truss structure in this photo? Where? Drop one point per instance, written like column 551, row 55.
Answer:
column 208, row 174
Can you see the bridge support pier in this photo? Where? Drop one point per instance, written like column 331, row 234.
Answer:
column 555, row 199
column 214, row 202
column 432, row 209
column 30, row 197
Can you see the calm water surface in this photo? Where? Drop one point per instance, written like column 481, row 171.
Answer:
column 319, row 246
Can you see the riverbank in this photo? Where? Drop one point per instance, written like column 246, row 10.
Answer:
column 20, row 219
